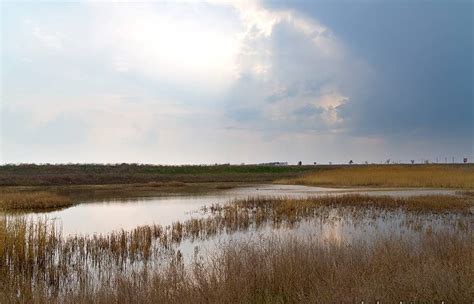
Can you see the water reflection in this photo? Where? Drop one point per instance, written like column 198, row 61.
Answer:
column 338, row 227
column 106, row 216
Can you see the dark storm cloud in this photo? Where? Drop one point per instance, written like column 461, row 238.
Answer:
column 293, row 79
column 421, row 54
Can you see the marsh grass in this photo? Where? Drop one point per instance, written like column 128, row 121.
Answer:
column 40, row 200
column 303, row 207
column 275, row 271
column 429, row 176
column 38, row 264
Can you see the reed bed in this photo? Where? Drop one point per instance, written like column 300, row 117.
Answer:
column 291, row 206
column 429, row 176
column 40, row 200
column 39, row 264
column 287, row 271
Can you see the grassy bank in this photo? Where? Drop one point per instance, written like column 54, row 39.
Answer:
column 429, row 176
column 38, row 264
column 91, row 174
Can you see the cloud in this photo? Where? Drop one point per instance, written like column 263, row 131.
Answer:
column 46, row 38
column 294, row 74
column 193, row 45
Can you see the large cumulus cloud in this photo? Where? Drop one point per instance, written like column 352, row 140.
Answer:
column 294, row 75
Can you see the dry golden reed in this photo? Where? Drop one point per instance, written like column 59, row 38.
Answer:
column 429, row 176
column 37, row 200
column 271, row 271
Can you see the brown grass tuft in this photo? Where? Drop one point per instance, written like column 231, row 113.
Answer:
column 33, row 201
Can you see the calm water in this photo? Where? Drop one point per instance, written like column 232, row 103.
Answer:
column 107, row 216
column 328, row 227
column 337, row 227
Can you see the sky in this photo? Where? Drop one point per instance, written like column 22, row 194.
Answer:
column 203, row 82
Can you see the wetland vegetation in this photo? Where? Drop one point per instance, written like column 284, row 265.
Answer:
column 147, row 264
column 427, row 176
column 40, row 187
column 96, row 174
column 36, row 200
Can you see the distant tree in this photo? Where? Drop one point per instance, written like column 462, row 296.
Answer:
column 351, row 162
